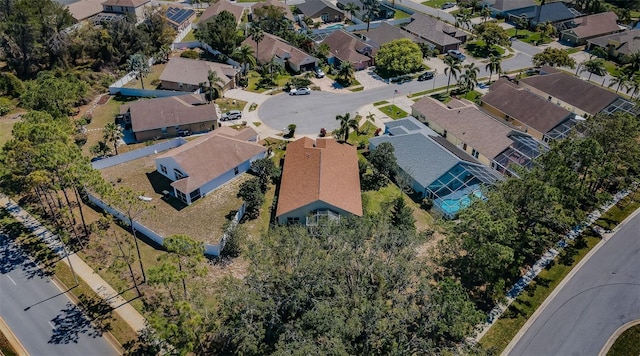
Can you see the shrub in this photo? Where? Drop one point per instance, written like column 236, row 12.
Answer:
column 5, row 106
column 190, row 54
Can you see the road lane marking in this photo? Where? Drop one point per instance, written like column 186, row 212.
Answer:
column 11, row 279
column 52, row 325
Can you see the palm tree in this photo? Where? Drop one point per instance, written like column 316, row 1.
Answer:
column 520, row 23
column 345, row 74
column 112, row 133
column 469, row 79
column 463, row 19
column 371, row 9
column 546, row 29
column 214, row 85
column 346, row 124
column 593, row 66
column 351, row 8
column 620, row 80
column 494, row 65
column 634, row 86
column 139, row 64
column 485, row 13
column 197, row 2
column 257, row 35
column 633, row 60
column 245, row 52
column 453, row 68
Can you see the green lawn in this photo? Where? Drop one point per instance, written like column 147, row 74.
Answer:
column 6, row 125
column 400, row 15
column 478, row 49
column 619, row 212
column 508, row 325
column 394, row 112
column 528, row 36
column 191, row 36
column 151, row 80
column 254, row 78
column 435, row 3
column 627, row 344
column 378, row 103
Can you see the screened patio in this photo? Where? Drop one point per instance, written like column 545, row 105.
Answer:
column 521, row 153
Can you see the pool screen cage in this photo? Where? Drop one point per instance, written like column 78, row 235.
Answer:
column 522, row 152
column 465, row 178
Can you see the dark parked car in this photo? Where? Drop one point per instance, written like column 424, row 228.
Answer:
column 425, row 76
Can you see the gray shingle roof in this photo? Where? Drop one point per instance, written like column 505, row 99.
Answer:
column 432, row 29
column 386, row 33
column 623, row 42
column 311, row 7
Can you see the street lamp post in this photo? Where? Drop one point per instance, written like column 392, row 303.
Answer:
column 435, row 72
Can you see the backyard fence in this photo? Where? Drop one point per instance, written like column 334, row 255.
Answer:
column 360, row 26
column 139, row 153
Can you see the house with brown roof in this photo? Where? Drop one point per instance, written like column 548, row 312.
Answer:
column 282, row 51
column 527, row 112
column 573, row 93
column 179, row 18
column 259, row 7
column 320, row 11
column 440, row 34
column 617, row 44
column 320, row 180
column 135, row 8
column 490, row 141
column 218, row 7
column 170, row 116
column 346, row 47
column 84, row 9
column 585, row 28
column 386, row 33
column 185, row 74
column 208, row 162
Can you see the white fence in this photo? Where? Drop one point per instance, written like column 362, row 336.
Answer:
column 139, row 153
column 183, row 33
column 360, row 26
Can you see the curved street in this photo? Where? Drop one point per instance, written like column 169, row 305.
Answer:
column 599, row 298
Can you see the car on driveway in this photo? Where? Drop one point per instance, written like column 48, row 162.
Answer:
column 300, row 91
column 456, row 54
column 231, row 115
column 318, row 72
column 447, row 5
column 425, row 76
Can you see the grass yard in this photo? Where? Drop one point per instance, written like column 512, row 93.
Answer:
column 6, row 126
column 619, row 212
column 191, row 36
column 527, row 36
column 478, row 49
column 254, row 78
column 379, row 103
column 508, row 325
column 393, row 112
column 436, row 4
column 151, row 80
column 400, row 15
column 226, row 104
column 202, row 220
column 377, row 202
column 627, row 344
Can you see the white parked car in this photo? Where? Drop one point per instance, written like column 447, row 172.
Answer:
column 231, row 115
column 300, row 91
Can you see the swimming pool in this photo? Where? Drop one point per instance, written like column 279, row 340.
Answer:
column 451, row 205
column 338, row 25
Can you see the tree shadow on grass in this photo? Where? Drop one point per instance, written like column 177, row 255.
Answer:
column 162, row 184
column 92, row 317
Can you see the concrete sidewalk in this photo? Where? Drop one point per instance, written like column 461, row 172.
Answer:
column 128, row 313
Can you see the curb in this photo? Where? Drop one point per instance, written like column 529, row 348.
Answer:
column 13, row 340
column 616, row 334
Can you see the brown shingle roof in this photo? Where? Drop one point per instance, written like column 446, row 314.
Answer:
column 323, row 170
column 126, row 3
column 598, row 24
column 218, row 7
column 346, row 47
column 624, row 42
column 287, row 11
column 432, row 29
column 572, row 90
column 84, row 9
column 524, row 106
column 275, row 46
column 172, row 111
column 464, row 121
column 211, row 155
column 193, row 71
column 386, row 33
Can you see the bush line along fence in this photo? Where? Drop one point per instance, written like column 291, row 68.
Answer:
column 209, row 249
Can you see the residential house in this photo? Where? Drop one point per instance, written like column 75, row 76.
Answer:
column 584, row 28
column 200, row 166
column 441, row 35
column 346, row 47
column 490, row 141
column 134, row 8
column 528, row 112
column 575, row 94
column 320, row 11
column 219, row 6
column 179, row 18
column 84, row 9
column 185, row 74
column 386, row 33
column 384, row 12
column 282, row 52
column 276, row 3
column 436, row 168
column 503, row 7
column 553, row 12
column 170, row 116
column 617, row 45
column 320, row 180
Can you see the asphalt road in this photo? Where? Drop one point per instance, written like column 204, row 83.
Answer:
column 602, row 296
column 40, row 315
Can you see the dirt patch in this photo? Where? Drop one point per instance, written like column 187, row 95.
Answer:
column 103, row 99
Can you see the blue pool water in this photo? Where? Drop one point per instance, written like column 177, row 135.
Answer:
column 453, row 206
column 338, row 25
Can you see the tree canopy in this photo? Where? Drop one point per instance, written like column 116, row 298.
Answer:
column 220, row 33
column 554, row 57
column 399, row 57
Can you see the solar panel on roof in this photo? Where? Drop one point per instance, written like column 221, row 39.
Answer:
column 179, row 15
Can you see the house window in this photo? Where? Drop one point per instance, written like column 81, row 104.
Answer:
column 464, row 146
column 109, row 8
column 236, row 171
column 293, row 221
column 325, row 17
column 163, row 169
column 549, row 98
column 475, row 153
column 179, row 175
column 195, row 195
column 181, row 196
column 164, row 130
